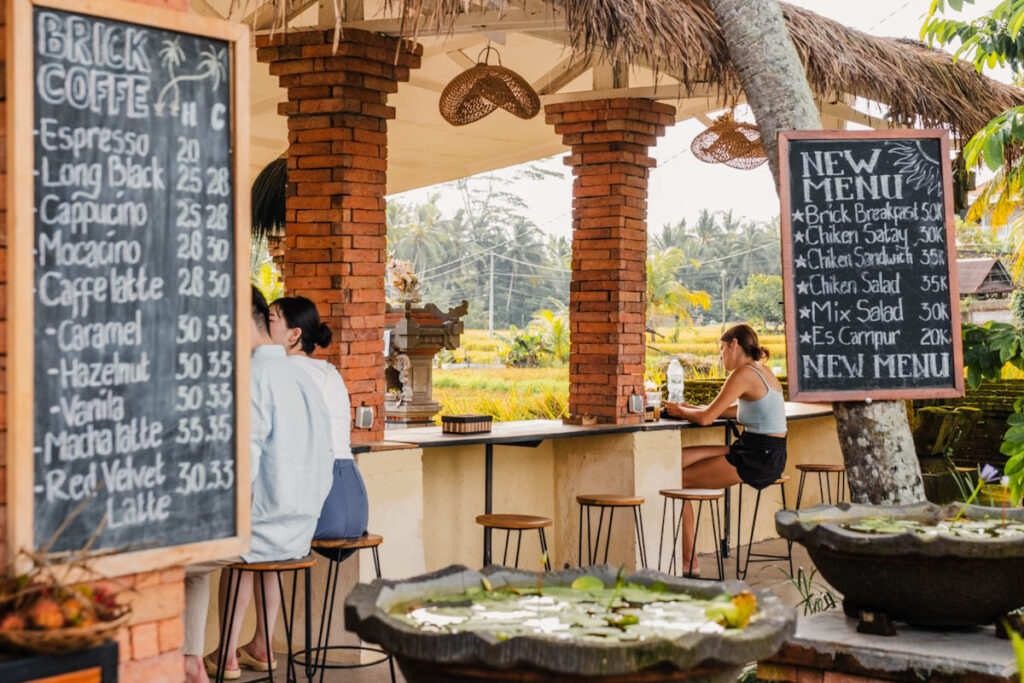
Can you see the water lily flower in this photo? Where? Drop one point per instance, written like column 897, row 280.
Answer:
column 989, row 474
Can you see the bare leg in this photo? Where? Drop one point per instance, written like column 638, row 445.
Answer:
column 707, row 473
column 694, row 454
column 257, row 647
column 241, row 605
column 195, row 670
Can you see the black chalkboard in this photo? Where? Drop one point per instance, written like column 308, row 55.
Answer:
column 868, row 252
column 134, row 393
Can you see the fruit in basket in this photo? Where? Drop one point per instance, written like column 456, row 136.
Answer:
column 12, row 622
column 45, row 613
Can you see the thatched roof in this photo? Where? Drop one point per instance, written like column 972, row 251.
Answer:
column 683, row 39
column 983, row 276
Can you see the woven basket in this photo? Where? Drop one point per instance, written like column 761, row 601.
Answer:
column 731, row 143
column 61, row 641
column 481, row 89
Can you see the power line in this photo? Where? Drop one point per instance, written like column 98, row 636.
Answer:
column 888, row 16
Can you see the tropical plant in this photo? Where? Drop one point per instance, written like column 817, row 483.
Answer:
column 664, row 293
column 994, row 39
column 1017, row 307
column 525, row 347
column 760, row 301
column 988, row 349
column 554, row 330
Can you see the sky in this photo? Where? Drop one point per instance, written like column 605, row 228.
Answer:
column 681, row 186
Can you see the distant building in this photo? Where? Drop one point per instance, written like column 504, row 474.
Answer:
column 985, row 287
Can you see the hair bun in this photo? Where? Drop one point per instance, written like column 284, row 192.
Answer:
column 765, row 353
column 323, row 339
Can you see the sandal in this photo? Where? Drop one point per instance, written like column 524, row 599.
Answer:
column 211, row 670
column 249, row 662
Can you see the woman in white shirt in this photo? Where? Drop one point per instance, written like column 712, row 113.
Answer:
column 295, row 325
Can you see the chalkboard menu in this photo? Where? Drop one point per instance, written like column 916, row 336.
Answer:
column 871, row 296
column 135, row 270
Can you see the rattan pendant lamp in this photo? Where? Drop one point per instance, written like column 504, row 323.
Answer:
column 481, row 89
column 730, row 142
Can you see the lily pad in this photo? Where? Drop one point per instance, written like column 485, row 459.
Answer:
column 587, row 583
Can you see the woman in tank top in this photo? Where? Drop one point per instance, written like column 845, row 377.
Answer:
column 752, row 396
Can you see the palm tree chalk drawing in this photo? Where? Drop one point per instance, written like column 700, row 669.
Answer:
column 212, row 67
column 922, row 170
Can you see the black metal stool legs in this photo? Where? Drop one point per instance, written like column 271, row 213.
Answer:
column 594, row 540
column 761, row 557
column 315, row 657
column 226, row 623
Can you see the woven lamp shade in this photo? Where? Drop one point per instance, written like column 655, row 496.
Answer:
column 731, row 143
column 481, row 89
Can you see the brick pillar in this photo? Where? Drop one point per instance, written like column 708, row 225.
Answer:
column 335, row 240
column 608, row 293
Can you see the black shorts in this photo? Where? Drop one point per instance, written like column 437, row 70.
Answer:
column 759, row 459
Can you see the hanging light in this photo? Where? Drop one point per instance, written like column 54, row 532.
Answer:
column 481, row 89
column 730, row 142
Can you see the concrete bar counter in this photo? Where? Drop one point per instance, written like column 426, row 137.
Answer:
column 426, row 489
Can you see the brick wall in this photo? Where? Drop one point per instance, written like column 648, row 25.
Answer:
column 335, row 240
column 607, row 295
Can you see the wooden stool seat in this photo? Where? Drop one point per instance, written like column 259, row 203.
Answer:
column 782, row 480
column 824, row 472
column 610, row 500
column 820, row 467
column 279, row 566
column 693, row 494
column 508, row 521
column 364, row 541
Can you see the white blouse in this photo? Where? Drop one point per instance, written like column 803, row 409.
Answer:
column 326, row 376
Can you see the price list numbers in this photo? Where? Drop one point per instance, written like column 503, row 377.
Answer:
column 204, row 342
column 134, row 284
column 869, row 300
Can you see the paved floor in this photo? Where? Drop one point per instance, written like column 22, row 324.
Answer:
column 760, row 576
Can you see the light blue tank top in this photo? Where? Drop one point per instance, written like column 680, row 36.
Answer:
column 766, row 415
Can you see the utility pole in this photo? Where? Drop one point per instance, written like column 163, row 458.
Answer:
column 490, row 306
column 724, row 273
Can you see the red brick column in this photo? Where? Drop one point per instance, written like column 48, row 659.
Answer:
column 335, row 240
column 608, row 292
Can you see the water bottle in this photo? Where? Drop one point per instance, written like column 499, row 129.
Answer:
column 675, row 381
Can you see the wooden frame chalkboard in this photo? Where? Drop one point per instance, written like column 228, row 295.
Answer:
column 883, row 258
column 22, row 335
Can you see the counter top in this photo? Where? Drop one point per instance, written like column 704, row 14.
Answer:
column 535, row 431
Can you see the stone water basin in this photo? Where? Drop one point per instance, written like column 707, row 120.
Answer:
column 447, row 626
column 913, row 563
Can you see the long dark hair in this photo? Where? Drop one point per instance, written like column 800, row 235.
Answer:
column 300, row 312
column 746, row 337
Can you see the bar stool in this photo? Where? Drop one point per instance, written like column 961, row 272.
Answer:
column 698, row 496
column 509, row 523
column 235, row 571
column 610, row 502
column 761, row 557
column 824, row 471
column 332, row 548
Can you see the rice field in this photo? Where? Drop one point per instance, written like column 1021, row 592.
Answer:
column 543, row 393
